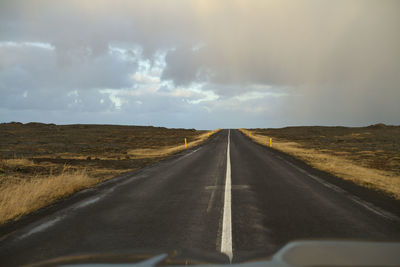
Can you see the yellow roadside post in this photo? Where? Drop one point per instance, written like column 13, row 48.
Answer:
column 270, row 142
column 185, row 143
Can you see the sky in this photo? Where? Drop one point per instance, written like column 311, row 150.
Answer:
column 200, row 64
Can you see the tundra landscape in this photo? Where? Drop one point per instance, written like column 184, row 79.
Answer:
column 107, row 147
column 41, row 163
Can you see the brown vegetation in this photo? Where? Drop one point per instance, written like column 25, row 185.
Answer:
column 368, row 156
column 18, row 197
column 41, row 163
column 168, row 150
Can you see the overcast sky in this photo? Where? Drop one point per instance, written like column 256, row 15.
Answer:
column 200, row 64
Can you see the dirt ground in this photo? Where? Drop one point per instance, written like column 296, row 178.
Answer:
column 36, row 149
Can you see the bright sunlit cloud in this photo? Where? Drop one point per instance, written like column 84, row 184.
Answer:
column 27, row 44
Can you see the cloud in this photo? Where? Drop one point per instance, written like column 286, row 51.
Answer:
column 305, row 62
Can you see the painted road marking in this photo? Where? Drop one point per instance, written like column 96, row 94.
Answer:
column 87, row 202
column 41, row 227
column 211, row 201
column 226, row 239
column 190, row 153
column 221, row 187
column 64, row 213
column 233, row 187
column 371, row 207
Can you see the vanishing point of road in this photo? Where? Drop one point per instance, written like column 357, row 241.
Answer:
column 226, row 199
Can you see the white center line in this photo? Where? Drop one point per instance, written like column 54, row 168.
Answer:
column 226, row 239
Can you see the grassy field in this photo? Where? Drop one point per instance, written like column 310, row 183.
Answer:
column 41, row 163
column 368, row 156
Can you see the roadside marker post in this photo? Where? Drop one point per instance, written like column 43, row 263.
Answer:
column 185, row 143
column 270, row 142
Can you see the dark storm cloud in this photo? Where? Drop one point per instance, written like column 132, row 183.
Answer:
column 42, row 68
column 334, row 62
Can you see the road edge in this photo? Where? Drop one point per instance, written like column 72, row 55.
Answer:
column 376, row 197
column 13, row 225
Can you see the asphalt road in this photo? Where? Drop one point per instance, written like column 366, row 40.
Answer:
column 202, row 202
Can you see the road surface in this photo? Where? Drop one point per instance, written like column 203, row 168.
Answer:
column 229, row 198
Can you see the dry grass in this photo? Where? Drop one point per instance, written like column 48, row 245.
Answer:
column 336, row 164
column 168, row 150
column 34, row 156
column 19, row 197
column 16, row 162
